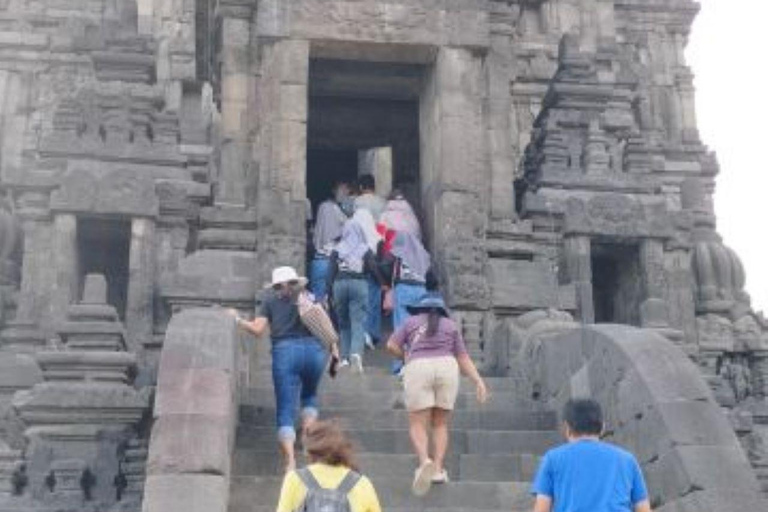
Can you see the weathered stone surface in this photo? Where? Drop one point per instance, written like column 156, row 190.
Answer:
column 190, row 444
column 185, row 493
column 195, row 414
column 549, row 148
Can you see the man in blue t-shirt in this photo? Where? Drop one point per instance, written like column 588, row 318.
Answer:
column 586, row 474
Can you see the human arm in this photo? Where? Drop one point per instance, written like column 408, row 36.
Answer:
column 292, row 493
column 468, row 368
column 543, row 487
column 640, row 500
column 258, row 326
column 365, row 497
column 369, row 260
column 333, row 269
column 542, row 503
column 396, row 343
column 643, row 506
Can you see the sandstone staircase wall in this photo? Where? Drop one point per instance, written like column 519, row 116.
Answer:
column 195, row 415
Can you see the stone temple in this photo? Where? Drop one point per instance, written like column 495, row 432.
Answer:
column 156, row 157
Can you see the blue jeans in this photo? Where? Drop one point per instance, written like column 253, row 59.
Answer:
column 406, row 294
column 373, row 321
column 297, row 367
column 350, row 297
column 318, row 273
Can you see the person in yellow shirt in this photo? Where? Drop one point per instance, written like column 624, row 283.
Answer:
column 332, row 467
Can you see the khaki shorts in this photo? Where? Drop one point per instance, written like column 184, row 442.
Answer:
column 431, row 382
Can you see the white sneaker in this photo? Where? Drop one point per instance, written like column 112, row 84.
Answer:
column 369, row 342
column 422, row 480
column 343, row 363
column 441, row 477
column 356, row 363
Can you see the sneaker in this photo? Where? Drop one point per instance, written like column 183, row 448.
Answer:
column 441, row 477
column 369, row 342
column 343, row 363
column 422, row 479
column 356, row 363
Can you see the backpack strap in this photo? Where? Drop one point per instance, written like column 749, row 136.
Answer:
column 308, row 479
column 349, row 483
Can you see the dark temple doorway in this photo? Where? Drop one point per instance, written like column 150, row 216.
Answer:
column 356, row 107
column 616, row 283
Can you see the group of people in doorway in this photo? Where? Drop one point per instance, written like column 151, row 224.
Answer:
column 369, row 257
column 368, row 260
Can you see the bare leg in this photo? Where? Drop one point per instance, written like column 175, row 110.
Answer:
column 289, row 457
column 418, row 424
column 440, row 436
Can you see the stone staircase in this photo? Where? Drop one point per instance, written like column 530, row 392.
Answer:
column 494, row 453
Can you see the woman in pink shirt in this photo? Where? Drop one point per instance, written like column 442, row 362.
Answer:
column 434, row 352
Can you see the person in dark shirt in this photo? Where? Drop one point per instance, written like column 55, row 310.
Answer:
column 586, row 474
column 298, row 358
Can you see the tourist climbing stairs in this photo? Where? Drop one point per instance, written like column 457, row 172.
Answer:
column 495, row 447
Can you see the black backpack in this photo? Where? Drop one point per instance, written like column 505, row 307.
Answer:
column 319, row 499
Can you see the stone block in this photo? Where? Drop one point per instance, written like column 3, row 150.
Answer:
column 523, row 284
column 18, row 371
column 209, row 392
column 186, row 493
column 191, row 444
column 686, row 468
column 712, row 501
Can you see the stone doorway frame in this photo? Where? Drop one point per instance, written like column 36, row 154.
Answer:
column 454, row 172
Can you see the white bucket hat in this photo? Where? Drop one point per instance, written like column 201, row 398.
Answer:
column 282, row 275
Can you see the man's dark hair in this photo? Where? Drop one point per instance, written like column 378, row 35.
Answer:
column 584, row 417
column 367, row 182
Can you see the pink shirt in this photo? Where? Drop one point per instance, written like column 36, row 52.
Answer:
column 447, row 341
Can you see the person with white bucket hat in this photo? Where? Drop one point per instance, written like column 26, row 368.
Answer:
column 298, row 358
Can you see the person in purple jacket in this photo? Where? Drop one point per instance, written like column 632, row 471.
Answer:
column 434, row 352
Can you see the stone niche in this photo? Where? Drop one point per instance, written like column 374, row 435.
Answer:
column 105, row 223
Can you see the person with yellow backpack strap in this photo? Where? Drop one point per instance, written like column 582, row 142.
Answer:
column 331, row 482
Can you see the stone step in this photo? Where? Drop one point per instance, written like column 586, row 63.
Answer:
column 389, row 509
column 395, row 493
column 386, row 400
column 477, row 468
column 379, row 380
column 396, row 441
column 515, row 419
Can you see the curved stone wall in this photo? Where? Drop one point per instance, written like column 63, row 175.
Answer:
column 657, row 405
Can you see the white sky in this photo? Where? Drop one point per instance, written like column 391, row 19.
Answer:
column 729, row 55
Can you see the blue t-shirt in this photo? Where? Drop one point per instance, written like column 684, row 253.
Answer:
column 590, row 476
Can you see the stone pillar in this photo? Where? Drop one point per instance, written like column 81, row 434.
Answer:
column 578, row 267
column 499, row 65
column 378, row 163
column 652, row 267
column 455, row 175
column 64, row 250
column 680, row 298
column 235, row 85
column 281, row 148
column 141, row 280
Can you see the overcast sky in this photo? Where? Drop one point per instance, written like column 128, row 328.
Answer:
column 729, row 55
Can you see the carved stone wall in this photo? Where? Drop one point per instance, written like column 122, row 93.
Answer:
column 548, row 132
